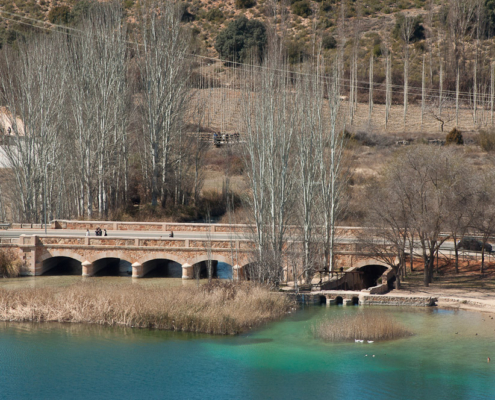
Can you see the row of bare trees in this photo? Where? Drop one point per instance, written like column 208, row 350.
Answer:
column 97, row 114
column 99, row 117
column 295, row 164
column 444, row 63
column 427, row 195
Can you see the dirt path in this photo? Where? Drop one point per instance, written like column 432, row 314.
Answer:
column 468, row 289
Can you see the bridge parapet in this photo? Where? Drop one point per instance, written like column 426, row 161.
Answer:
column 342, row 231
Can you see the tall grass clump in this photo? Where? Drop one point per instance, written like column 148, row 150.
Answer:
column 10, row 263
column 216, row 308
column 369, row 325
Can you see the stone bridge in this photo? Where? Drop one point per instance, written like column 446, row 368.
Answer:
column 91, row 254
column 140, row 252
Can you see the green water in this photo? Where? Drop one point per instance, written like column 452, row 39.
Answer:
column 281, row 361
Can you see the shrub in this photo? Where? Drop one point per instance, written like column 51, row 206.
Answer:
column 417, row 33
column 214, row 14
column 377, row 50
column 240, row 4
column 128, row 4
column 302, row 8
column 240, row 38
column 486, row 140
column 296, row 52
column 329, row 42
column 326, row 6
column 454, row 137
column 81, row 10
column 59, row 15
column 10, row 263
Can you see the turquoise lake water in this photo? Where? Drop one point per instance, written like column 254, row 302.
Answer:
column 280, row 361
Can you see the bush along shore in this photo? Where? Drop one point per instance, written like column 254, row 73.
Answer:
column 371, row 325
column 222, row 308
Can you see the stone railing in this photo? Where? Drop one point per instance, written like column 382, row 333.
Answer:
column 72, row 241
column 342, row 231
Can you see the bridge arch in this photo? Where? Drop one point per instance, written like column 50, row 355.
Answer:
column 164, row 256
column 372, row 271
column 214, row 257
column 61, row 253
column 60, row 265
column 158, row 267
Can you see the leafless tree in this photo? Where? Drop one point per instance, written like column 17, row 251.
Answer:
column 32, row 89
column 312, row 126
column 269, row 123
column 164, row 71
column 334, row 169
column 484, row 211
column 98, row 101
column 406, row 33
column 421, row 180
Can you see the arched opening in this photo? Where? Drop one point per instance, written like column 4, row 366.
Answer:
column 219, row 270
column 355, row 301
column 323, row 300
column 371, row 275
column 224, row 271
column 112, row 267
column 339, row 300
column 249, row 271
column 61, row 266
column 162, row 268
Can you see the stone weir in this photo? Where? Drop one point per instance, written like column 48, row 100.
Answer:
column 348, row 298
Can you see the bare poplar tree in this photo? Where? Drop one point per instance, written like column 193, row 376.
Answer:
column 312, row 126
column 32, row 89
column 334, row 171
column 99, row 103
column 269, row 123
column 164, row 72
column 388, row 88
column 370, row 101
column 406, row 32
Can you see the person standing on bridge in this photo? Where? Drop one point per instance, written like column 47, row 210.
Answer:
column 105, row 232
column 87, row 232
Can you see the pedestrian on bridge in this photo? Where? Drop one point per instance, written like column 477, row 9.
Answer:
column 87, row 232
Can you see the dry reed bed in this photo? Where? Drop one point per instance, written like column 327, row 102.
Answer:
column 217, row 308
column 368, row 325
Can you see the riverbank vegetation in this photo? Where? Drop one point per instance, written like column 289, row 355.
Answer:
column 369, row 325
column 221, row 308
column 10, row 263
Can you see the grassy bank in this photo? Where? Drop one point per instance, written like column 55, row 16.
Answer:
column 369, row 325
column 216, row 308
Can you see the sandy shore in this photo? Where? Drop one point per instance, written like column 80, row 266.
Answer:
column 474, row 300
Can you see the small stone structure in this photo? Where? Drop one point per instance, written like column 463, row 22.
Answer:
column 347, row 298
